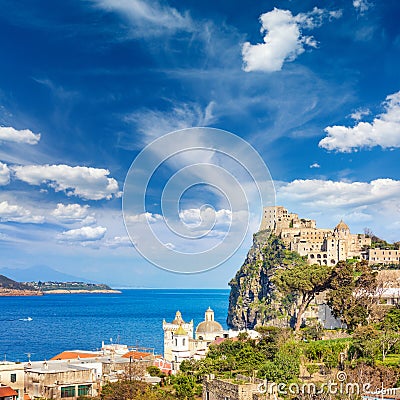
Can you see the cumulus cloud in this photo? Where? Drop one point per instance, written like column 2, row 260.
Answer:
column 194, row 217
column 144, row 217
column 283, row 38
column 85, row 182
column 84, row 234
column 150, row 18
column 372, row 204
column 4, row 174
column 15, row 213
column 322, row 194
column 71, row 213
column 358, row 114
column 315, row 165
column 383, row 131
column 362, row 5
column 118, row 241
column 9, row 134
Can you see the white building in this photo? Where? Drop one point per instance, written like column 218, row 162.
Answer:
column 180, row 345
column 209, row 329
column 12, row 375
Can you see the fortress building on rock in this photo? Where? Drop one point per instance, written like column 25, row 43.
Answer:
column 321, row 246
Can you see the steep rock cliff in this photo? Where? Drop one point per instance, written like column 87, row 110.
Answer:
column 253, row 298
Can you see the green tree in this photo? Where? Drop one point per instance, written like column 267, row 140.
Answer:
column 352, row 294
column 303, row 280
column 312, row 369
column 184, row 387
column 366, row 343
column 390, row 331
column 392, row 319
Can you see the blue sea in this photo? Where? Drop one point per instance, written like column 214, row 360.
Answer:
column 46, row 325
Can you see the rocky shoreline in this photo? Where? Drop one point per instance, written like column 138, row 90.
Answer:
column 15, row 292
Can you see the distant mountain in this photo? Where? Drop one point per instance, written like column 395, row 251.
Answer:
column 40, row 273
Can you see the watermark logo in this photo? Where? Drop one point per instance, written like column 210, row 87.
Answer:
column 193, row 196
column 335, row 387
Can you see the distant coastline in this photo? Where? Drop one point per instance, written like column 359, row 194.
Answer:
column 9, row 287
column 80, row 291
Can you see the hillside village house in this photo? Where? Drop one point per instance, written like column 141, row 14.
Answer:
column 76, row 373
column 12, row 375
column 6, row 393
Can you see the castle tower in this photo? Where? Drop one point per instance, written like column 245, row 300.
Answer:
column 170, row 328
column 342, row 234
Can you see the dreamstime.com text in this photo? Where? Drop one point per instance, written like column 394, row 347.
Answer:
column 331, row 387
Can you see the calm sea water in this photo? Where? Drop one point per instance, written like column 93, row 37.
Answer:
column 82, row 321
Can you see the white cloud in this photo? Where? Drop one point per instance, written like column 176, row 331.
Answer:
column 315, row 165
column 321, row 193
column 153, row 124
column 362, row 5
column 150, row 18
column 72, row 213
column 118, row 241
column 194, row 217
column 4, row 174
column 9, row 134
column 374, row 204
column 283, row 39
column 144, row 217
column 358, row 114
column 15, row 213
column 84, row 234
column 85, row 182
column 383, row 131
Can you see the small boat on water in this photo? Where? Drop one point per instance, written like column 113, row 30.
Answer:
column 26, row 319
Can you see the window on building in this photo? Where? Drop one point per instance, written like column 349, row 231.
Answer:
column 183, row 341
column 207, row 395
column 176, row 342
column 13, row 378
column 84, row 390
column 68, row 391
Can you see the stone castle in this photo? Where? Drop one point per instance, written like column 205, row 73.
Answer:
column 323, row 246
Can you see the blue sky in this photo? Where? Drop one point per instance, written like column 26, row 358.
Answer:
column 86, row 85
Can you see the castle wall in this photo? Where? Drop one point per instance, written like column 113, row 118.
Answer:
column 383, row 256
column 321, row 246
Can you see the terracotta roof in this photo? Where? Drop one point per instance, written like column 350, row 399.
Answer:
column 6, row 391
column 165, row 366
column 220, row 340
column 73, row 355
column 27, row 397
column 137, row 355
